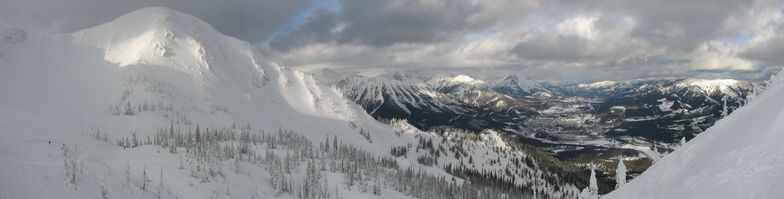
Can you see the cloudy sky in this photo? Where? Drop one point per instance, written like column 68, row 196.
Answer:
column 546, row 40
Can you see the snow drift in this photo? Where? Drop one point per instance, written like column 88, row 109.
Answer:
column 740, row 157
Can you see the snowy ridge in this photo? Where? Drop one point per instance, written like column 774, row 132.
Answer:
column 701, row 86
column 725, row 86
column 159, row 36
column 439, row 82
column 739, row 157
column 598, row 85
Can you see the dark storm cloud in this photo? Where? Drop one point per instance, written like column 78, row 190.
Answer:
column 319, row 26
column 674, row 24
column 771, row 52
column 245, row 19
column 556, row 48
column 767, row 46
column 681, row 25
column 386, row 22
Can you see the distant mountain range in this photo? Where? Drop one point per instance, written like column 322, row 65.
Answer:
column 680, row 107
column 576, row 121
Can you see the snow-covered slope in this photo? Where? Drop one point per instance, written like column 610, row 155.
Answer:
column 179, row 59
column 157, row 103
column 740, row 157
column 152, row 68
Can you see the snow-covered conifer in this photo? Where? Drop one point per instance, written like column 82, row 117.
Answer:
column 592, row 191
column 620, row 173
column 724, row 111
column 128, row 172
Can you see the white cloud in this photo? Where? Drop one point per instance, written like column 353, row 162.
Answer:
column 580, row 26
column 714, row 55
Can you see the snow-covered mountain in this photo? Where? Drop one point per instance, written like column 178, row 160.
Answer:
column 677, row 107
column 729, row 87
column 157, row 103
column 518, row 86
column 684, row 107
column 708, row 87
column 739, row 157
column 148, row 69
column 435, row 101
column 394, row 89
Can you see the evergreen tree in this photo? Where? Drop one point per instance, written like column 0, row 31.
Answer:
column 128, row 109
column 655, row 151
column 326, row 144
column 145, row 179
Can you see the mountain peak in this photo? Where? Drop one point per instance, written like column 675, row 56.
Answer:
column 465, row 79
column 160, row 18
column 157, row 36
column 517, row 82
column 709, row 85
column 398, row 76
